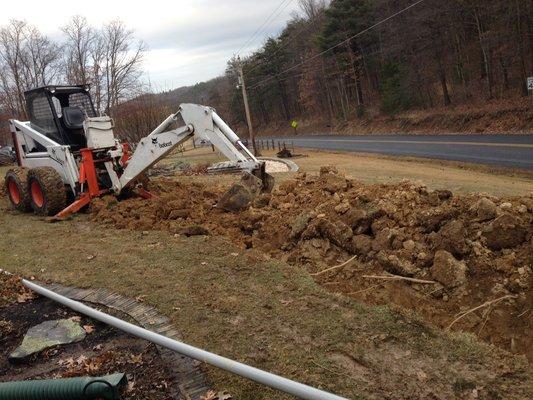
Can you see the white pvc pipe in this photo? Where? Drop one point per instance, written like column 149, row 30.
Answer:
column 266, row 378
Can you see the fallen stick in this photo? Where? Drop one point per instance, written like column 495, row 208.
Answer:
column 344, row 264
column 393, row 277
column 365, row 290
column 487, row 303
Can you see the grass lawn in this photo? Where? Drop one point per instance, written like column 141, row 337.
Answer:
column 262, row 312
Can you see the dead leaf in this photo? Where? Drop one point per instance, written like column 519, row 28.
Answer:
column 212, row 395
column 81, row 360
column 140, row 298
column 136, row 359
column 88, row 328
column 67, row 362
column 130, row 387
column 24, row 297
column 75, row 318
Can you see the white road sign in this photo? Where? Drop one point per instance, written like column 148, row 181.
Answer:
column 530, row 83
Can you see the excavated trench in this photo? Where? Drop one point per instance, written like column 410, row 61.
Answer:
column 459, row 262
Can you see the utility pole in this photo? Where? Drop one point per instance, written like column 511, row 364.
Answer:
column 247, row 108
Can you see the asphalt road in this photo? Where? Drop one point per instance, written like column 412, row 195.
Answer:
column 503, row 150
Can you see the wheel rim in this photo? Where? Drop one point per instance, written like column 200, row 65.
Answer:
column 14, row 192
column 37, row 194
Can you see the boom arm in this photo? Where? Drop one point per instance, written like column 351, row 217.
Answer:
column 201, row 121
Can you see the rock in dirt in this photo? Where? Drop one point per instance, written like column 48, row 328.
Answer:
column 452, row 237
column 504, row 232
column 300, row 224
column 48, row 334
column 437, row 196
column 338, row 233
column 448, row 270
column 528, row 203
column 342, row 208
column 241, row 194
column 484, row 210
column 396, row 265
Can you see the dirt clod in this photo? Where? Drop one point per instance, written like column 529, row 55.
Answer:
column 447, row 270
column 505, row 232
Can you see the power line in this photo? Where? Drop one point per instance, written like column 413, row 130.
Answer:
column 279, row 9
column 339, row 44
column 266, row 60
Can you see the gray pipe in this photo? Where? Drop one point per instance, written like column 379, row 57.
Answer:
column 266, row 378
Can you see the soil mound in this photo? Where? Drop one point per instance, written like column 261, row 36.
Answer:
column 438, row 254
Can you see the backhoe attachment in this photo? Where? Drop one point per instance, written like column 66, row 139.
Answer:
column 204, row 123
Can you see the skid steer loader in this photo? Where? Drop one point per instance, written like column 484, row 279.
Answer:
column 67, row 155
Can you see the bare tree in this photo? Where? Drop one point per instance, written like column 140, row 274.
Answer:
column 27, row 59
column 79, row 46
column 12, row 76
column 122, row 62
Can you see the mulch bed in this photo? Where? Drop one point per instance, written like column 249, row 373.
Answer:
column 105, row 350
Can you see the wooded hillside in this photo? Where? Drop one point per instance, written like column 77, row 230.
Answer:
column 437, row 53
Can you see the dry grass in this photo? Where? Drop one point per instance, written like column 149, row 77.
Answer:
column 458, row 177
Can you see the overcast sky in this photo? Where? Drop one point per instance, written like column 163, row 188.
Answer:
column 189, row 41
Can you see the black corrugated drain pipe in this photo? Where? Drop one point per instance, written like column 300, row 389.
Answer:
column 84, row 388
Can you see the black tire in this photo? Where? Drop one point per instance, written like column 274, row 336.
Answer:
column 47, row 191
column 16, row 187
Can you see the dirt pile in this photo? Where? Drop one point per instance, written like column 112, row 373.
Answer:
column 457, row 252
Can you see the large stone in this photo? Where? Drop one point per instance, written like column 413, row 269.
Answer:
column 506, row 231
column 241, row 194
column 452, row 237
column 484, row 209
column 338, row 233
column 300, row 224
column 448, row 270
column 48, row 334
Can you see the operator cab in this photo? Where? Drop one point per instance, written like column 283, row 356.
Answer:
column 58, row 113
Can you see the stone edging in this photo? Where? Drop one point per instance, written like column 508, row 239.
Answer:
column 192, row 381
column 293, row 167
